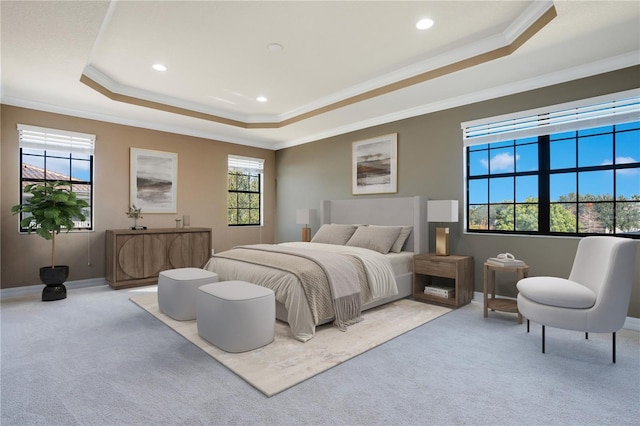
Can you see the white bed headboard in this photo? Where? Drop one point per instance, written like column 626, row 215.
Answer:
column 382, row 211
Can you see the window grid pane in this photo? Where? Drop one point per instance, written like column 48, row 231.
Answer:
column 628, row 217
column 593, row 179
column 527, row 217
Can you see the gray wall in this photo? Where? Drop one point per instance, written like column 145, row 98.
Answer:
column 430, row 163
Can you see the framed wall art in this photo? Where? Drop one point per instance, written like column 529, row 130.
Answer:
column 375, row 165
column 154, row 180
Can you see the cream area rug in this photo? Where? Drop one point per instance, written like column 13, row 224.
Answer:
column 286, row 361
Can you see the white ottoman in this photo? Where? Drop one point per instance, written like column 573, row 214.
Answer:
column 236, row 316
column 178, row 289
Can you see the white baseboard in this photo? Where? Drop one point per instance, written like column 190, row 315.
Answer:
column 10, row 293
column 631, row 323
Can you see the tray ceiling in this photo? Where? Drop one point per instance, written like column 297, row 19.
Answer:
column 326, row 68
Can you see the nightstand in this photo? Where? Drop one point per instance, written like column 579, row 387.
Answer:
column 458, row 268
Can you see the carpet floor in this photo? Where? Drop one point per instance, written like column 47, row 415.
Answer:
column 96, row 358
column 286, row 361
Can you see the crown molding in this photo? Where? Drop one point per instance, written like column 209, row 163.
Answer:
column 582, row 71
column 116, row 88
column 538, row 15
column 151, row 125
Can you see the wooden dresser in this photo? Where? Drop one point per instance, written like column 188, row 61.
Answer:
column 135, row 258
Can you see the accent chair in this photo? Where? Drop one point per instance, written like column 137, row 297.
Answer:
column 595, row 297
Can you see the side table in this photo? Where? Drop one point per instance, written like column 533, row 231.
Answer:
column 500, row 304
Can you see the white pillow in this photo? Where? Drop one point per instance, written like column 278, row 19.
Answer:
column 378, row 238
column 334, row 234
column 404, row 234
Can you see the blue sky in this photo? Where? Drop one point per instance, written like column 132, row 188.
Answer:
column 79, row 165
column 594, row 149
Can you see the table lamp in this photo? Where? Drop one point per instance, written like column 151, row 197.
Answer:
column 442, row 211
column 303, row 217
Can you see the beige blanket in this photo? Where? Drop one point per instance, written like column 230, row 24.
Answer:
column 331, row 282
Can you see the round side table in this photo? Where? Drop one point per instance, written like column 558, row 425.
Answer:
column 500, row 304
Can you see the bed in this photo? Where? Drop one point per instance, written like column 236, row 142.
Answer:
column 358, row 258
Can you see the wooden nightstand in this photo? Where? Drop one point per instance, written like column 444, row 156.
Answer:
column 459, row 268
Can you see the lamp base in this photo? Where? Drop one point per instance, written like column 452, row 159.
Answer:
column 442, row 241
column 306, row 235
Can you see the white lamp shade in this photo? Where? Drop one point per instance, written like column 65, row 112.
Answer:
column 303, row 216
column 442, row 210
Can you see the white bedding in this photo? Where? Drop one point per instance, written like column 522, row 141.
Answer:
column 378, row 268
column 289, row 292
column 401, row 263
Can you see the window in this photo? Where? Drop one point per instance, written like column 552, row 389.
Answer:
column 58, row 155
column 566, row 170
column 244, row 183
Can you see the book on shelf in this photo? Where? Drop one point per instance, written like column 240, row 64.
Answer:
column 505, row 262
column 439, row 291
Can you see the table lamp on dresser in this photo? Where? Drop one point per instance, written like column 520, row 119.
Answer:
column 442, row 211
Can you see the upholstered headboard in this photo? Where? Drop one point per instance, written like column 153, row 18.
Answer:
column 382, row 211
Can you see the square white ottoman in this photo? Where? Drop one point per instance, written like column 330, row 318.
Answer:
column 178, row 289
column 236, row 316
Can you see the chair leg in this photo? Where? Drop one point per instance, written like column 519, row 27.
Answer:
column 586, row 336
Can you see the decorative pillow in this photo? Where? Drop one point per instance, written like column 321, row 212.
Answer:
column 334, row 234
column 378, row 238
column 404, row 234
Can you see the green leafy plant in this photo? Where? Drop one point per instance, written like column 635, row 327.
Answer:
column 52, row 208
column 135, row 214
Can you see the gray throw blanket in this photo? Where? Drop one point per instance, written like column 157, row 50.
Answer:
column 341, row 275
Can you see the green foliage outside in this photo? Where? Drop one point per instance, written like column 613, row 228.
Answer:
column 594, row 215
column 243, row 199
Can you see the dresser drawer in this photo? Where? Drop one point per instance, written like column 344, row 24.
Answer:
column 433, row 266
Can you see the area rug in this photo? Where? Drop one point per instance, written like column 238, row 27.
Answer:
column 286, row 361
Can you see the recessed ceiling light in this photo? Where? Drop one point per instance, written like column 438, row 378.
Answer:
column 159, row 67
column 261, row 99
column 275, row 47
column 425, row 23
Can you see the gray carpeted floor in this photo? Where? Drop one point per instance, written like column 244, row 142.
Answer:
column 98, row 359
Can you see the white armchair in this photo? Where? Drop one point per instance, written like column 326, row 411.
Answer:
column 596, row 296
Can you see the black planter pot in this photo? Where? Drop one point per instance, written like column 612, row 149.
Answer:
column 54, row 277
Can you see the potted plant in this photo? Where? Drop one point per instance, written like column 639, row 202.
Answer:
column 52, row 207
column 135, row 214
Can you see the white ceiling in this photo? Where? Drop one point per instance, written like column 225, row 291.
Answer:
column 334, row 51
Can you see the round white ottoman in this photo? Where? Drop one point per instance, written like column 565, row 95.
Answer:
column 178, row 289
column 236, row 316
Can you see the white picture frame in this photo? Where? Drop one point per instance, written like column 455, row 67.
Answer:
column 154, row 180
column 375, row 165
